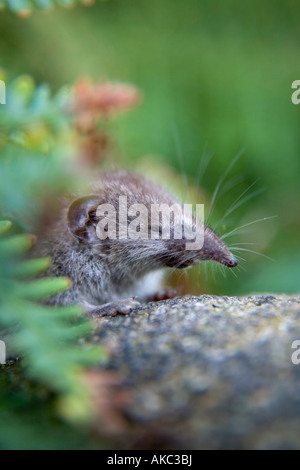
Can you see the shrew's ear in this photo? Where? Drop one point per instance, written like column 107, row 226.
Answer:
column 80, row 218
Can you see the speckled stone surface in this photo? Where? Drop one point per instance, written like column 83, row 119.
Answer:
column 211, row 372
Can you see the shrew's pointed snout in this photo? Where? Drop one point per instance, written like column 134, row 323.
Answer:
column 215, row 249
column 226, row 258
column 230, row 263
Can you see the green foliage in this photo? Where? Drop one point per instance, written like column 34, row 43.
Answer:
column 34, row 137
column 28, row 417
column 45, row 336
column 32, row 118
column 50, row 342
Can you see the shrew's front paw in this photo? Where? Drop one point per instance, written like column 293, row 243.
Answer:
column 117, row 307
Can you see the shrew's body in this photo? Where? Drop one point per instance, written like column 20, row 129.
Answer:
column 107, row 274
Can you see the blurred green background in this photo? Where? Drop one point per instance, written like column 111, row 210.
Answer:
column 216, row 78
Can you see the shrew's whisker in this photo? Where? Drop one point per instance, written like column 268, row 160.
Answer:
column 221, row 181
column 253, row 251
column 240, row 201
column 247, row 225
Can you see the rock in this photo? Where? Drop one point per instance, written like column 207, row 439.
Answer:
column 210, row 372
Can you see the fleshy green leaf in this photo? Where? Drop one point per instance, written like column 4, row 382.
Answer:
column 32, row 267
column 16, row 245
column 43, row 288
column 5, row 226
